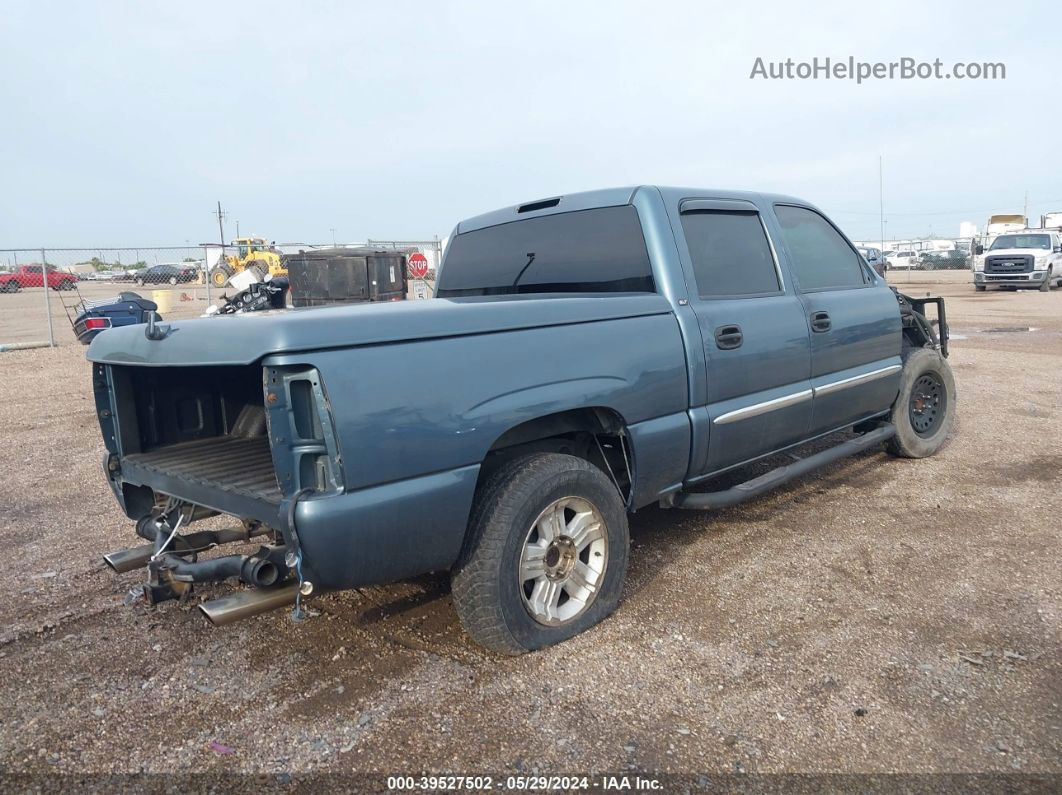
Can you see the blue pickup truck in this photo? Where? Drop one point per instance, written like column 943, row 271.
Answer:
column 584, row 356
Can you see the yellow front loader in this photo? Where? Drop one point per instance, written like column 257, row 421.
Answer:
column 251, row 252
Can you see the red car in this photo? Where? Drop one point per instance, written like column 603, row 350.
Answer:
column 31, row 276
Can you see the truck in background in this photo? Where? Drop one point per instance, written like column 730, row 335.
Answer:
column 1027, row 258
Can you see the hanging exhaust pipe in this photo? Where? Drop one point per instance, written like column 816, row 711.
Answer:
column 137, row 557
column 130, row 559
column 244, row 604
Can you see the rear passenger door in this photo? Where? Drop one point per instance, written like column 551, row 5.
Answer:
column 852, row 317
column 755, row 338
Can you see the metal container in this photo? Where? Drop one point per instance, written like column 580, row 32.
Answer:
column 346, row 275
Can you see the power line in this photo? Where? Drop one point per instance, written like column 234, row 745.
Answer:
column 938, row 212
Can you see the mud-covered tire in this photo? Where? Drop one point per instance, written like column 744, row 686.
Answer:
column 488, row 591
column 924, row 409
column 1045, row 285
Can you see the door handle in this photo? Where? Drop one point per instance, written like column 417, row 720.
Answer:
column 820, row 322
column 728, row 337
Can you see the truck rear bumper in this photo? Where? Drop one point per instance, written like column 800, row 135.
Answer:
column 365, row 537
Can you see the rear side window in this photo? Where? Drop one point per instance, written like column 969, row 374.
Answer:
column 588, row 251
column 821, row 258
column 730, row 253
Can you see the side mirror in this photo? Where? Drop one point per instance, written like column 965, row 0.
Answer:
column 979, row 250
column 1058, row 249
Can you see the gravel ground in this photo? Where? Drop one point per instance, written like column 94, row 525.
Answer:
column 23, row 317
column 884, row 616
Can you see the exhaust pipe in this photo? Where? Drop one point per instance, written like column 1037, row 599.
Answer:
column 244, row 604
column 129, row 559
column 137, row 557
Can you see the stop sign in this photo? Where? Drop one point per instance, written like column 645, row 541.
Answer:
column 418, row 265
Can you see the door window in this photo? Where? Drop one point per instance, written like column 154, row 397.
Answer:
column 821, row 258
column 730, row 252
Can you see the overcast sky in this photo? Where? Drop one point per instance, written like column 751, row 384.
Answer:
column 123, row 123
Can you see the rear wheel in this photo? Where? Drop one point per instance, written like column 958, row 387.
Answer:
column 546, row 554
column 924, row 410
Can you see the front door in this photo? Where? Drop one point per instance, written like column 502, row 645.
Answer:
column 756, row 340
column 853, row 319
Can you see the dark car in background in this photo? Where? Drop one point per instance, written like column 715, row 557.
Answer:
column 943, row 259
column 167, row 274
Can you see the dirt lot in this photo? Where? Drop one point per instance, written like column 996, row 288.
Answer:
column 23, row 317
column 884, row 616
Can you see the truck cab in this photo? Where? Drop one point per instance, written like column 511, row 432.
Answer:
column 1030, row 259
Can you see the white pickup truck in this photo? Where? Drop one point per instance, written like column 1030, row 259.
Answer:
column 1031, row 258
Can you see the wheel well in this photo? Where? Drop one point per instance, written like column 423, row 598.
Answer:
column 596, row 434
column 916, row 328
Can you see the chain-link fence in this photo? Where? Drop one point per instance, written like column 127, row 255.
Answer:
column 181, row 281
column 171, row 276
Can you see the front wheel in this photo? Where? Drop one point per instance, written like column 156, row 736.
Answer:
column 924, row 410
column 980, row 287
column 220, row 276
column 546, row 554
column 1045, row 285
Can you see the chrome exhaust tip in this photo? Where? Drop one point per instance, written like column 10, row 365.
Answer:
column 130, row 559
column 244, row 604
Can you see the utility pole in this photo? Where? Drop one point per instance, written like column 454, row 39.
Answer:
column 333, row 230
column 221, row 228
column 1025, row 212
column 881, row 199
column 221, row 259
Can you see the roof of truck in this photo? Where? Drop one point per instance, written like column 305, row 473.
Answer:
column 613, row 197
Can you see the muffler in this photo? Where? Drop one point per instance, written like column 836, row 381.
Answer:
column 244, row 604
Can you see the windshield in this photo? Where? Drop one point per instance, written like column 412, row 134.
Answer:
column 1022, row 241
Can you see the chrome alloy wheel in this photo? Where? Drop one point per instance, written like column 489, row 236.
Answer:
column 563, row 560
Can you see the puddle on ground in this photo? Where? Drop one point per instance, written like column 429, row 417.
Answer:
column 1008, row 329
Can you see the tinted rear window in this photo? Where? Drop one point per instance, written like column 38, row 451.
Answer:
column 730, row 253
column 589, row 251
